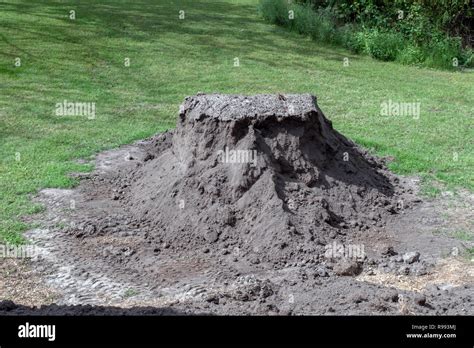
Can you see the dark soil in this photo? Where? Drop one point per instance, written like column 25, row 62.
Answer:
column 169, row 223
column 11, row 308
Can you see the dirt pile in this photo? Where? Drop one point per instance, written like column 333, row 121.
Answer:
column 265, row 178
column 252, row 205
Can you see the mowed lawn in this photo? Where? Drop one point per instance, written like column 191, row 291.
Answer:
column 83, row 60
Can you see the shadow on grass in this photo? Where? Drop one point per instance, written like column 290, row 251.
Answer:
column 209, row 26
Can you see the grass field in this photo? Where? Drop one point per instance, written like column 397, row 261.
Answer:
column 83, row 60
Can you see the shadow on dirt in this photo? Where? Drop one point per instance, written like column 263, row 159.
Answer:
column 9, row 308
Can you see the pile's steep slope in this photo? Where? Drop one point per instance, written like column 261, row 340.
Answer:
column 265, row 176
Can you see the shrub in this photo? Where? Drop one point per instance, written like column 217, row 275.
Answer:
column 411, row 55
column 305, row 20
column 325, row 27
column 469, row 58
column 275, row 11
column 372, row 27
column 384, row 45
column 442, row 51
column 352, row 38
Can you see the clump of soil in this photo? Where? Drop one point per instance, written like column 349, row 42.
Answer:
column 266, row 177
column 244, row 209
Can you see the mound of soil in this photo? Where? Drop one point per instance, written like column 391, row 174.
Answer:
column 252, row 205
column 265, row 177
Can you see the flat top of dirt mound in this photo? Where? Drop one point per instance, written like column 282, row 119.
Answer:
column 231, row 107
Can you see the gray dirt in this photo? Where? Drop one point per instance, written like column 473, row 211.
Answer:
column 172, row 222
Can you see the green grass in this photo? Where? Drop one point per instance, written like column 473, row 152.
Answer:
column 470, row 253
column 82, row 60
column 462, row 235
column 130, row 293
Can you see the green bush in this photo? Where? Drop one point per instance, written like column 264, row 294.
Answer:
column 373, row 27
column 352, row 38
column 447, row 15
column 384, row 45
column 305, row 21
column 442, row 52
column 325, row 27
column 275, row 11
column 320, row 24
column 469, row 58
column 411, row 55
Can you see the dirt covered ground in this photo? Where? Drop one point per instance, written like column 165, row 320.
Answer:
column 303, row 222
